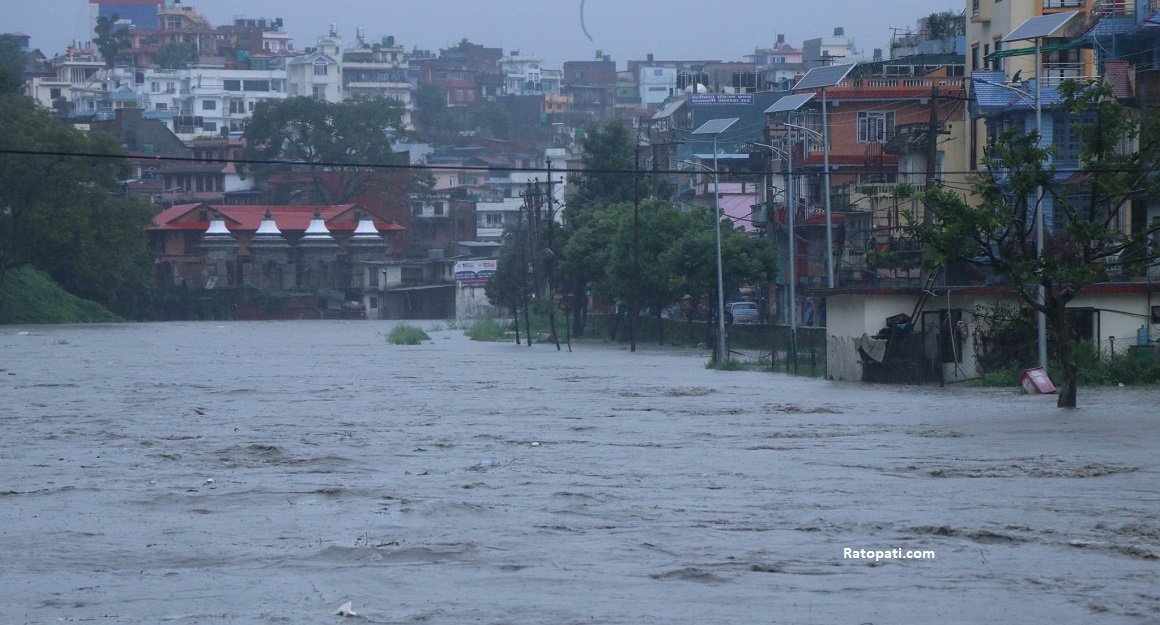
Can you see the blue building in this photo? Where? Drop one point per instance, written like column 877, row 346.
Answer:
column 142, row 13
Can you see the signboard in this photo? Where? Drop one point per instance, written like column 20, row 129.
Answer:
column 474, row 272
column 721, row 99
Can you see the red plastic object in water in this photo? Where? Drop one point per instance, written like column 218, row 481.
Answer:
column 1036, row 381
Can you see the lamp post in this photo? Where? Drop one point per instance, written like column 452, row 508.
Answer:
column 791, row 266
column 1041, row 292
column 821, row 78
column 715, row 127
column 1035, row 29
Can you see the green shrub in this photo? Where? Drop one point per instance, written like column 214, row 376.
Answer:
column 489, row 330
column 404, row 334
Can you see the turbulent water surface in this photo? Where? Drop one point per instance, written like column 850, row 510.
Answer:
column 271, row 472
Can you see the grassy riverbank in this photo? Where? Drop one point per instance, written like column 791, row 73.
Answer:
column 28, row 295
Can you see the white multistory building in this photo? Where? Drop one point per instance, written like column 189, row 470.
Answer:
column 208, row 101
column 336, row 72
column 526, row 75
column 657, row 84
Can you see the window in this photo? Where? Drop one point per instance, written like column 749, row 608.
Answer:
column 209, row 105
column 974, row 57
column 875, row 126
column 494, row 220
column 169, row 88
column 658, row 72
column 257, row 85
column 438, row 209
column 373, row 274
column 411, row 275
column 233, row 85
column 209, row 126
column 161, row 106
column 155, row 86
column 997, row 64
column 320, row 69
column 237, row 106
column 54, row 93
column 319, row 92
column 374, row 303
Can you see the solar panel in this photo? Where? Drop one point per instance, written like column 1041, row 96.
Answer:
column 716, row 126
column 1040, row 26
column 822, row 77
column 790, row 103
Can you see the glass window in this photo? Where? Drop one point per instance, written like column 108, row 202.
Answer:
column 875, row 126
column 320, row 69
column 233, row 85
column 209, row 105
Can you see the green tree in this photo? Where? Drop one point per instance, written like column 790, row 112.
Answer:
column 946, row 25
column 997, row 230
column 493, row 118
column 13, row 62
column 332, row 141
column 432, row 115
column 655, row 284
column 111, row 39
column 692, row 258
column 176, row 56
column 509, row 286
column 67, row 214
column 606, row 177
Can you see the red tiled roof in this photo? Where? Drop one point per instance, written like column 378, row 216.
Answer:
column 248, row 218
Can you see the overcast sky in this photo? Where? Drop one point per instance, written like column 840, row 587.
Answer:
column 625, row 29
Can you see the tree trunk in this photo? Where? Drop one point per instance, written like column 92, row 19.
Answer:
column 660, row 325
column 1065, row 345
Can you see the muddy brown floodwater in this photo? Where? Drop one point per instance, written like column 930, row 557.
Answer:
column 271, row 472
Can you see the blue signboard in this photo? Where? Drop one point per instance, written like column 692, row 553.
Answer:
column 720, row 99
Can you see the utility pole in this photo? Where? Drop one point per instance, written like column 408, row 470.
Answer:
column 932, row 135
column 550, row 262
column 634, row 305
column 524, row 266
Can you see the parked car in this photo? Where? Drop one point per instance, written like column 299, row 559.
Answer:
column 741, row 312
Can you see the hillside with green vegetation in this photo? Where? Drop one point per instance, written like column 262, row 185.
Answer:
column 28, row 295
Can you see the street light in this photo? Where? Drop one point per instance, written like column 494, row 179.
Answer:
column 1037, row 105
column 715, row 127
column 790, row 211
column 820, row 78
column 1036, row 28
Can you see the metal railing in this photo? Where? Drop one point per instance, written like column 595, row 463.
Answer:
column 1056, row 73
column 1064, row 4
column 1115, row 8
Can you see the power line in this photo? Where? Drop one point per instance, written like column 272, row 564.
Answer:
column 470, row 168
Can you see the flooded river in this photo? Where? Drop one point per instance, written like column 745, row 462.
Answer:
column 271, row 472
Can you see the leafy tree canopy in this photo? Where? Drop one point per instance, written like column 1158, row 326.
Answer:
column 13, row 61
column 1089, row 242
column 111, row 39
column 66, row 214
column 329, row 139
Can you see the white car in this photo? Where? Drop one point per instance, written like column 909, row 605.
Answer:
column 742, row 312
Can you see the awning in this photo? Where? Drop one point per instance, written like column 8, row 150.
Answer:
column 1051, row 47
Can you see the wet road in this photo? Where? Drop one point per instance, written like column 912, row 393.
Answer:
column 270, row 472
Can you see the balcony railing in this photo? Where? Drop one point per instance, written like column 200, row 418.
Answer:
column 1116, row 8
column 1064, row 4
column 1056, row 73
